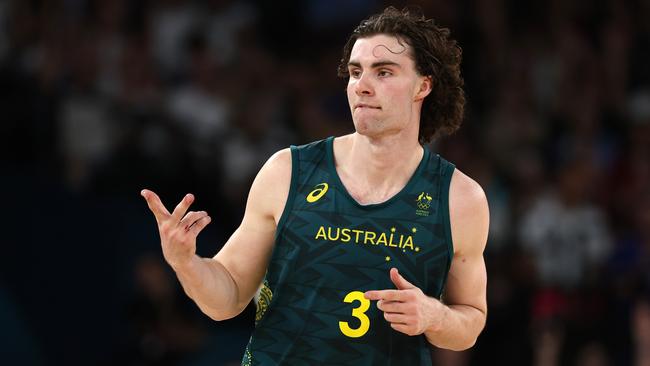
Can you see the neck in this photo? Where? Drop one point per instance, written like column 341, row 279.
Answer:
column 373, row 170
column 382, row 159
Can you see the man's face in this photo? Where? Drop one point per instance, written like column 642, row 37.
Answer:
column 384, row 90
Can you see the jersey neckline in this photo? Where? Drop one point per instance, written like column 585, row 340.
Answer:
column 329, row 146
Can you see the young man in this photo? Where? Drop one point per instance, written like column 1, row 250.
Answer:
column 348, row 242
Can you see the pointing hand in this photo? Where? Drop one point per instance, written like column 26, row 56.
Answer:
column 407, row 308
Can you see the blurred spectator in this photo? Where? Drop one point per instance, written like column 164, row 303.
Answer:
column 87, row 125
column 259, row 133
column 171, row 22
column 566, row 235
column 199, row 106
column 226, row 22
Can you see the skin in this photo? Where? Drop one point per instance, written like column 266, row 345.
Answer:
column 385, row 94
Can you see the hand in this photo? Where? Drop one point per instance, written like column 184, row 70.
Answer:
column 407, row 309
column 178, row 231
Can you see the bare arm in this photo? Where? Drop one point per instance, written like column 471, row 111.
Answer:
column 222, row 286
column 464, row 311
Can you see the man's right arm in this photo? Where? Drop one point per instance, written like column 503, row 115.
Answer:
column 223, row 286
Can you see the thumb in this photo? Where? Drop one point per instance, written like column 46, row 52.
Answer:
column 399, row 281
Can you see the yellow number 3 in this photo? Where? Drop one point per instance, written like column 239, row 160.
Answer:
column 358, row 313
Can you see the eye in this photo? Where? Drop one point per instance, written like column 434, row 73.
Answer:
column 384, row 73
column 355, row 73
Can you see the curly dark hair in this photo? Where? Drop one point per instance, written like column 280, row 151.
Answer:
column 435, row 54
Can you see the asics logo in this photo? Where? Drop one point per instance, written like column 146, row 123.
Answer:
column 318, row 192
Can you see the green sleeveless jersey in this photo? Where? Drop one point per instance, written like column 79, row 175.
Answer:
column 330, row 249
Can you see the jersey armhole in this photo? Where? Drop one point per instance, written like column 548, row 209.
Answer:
column 292, row 191
column 447, row 171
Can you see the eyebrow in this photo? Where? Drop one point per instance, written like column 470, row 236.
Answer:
column 376, row 64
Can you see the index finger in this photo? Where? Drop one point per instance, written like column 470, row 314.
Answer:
column 155, row 205
column 388, row 295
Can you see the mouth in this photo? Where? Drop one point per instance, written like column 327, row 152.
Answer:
column 365, row 106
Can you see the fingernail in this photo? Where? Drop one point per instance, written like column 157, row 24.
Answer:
column 142, row 193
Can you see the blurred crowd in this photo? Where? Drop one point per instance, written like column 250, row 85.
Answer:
column 102, row 98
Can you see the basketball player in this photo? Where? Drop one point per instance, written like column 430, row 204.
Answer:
column 365, row 249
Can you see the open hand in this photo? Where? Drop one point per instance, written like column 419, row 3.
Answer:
column 178, row 230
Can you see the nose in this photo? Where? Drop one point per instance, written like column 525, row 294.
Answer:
column 364, row 85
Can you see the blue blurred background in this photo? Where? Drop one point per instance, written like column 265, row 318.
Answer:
column 99, row 99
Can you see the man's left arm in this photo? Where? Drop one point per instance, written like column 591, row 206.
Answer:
column 456, row 322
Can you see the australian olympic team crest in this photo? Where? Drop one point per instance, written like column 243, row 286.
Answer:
column 423, row 203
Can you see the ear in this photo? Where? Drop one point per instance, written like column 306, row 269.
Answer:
column 426, row 83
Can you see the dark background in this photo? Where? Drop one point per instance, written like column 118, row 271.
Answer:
column 99, row 99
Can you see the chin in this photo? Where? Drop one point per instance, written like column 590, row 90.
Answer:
column 368, row 131
column 363, row 127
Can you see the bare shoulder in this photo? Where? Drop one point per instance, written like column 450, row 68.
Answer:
column 270, row 188
column 280, row 162
column 466, row 191
column 469, row 214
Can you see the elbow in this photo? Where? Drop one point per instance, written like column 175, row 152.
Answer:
column 470, row 341
column 464, row 345
column 460, row 342
column 478, row 327
column 217, row 316
column 220, row 315
column 458, row 346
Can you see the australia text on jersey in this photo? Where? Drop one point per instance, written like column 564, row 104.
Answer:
column 366, row 237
